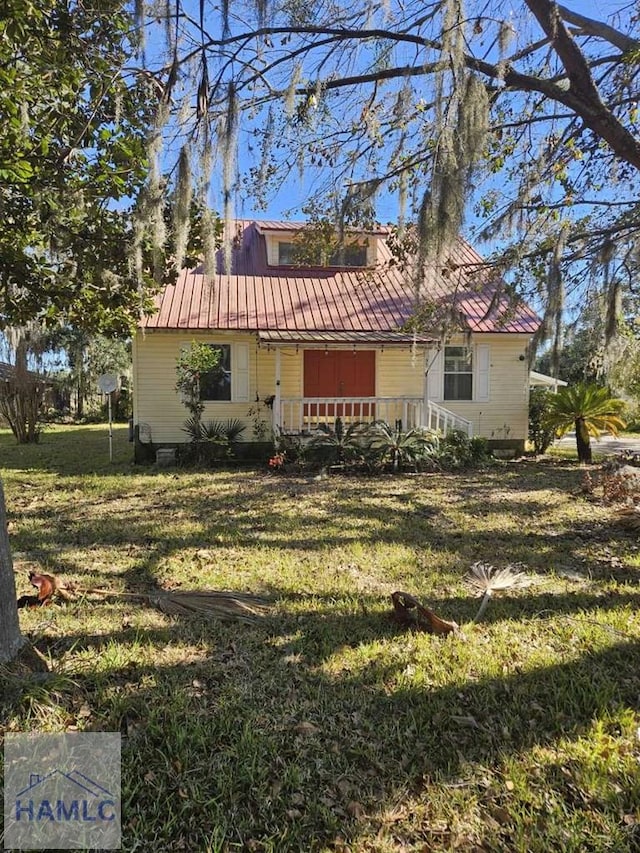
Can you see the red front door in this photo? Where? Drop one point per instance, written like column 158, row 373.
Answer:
column 341, row 373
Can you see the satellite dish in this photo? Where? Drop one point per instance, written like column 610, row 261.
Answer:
column 108, row 382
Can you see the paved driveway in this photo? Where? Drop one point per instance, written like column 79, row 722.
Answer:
column 607, row 445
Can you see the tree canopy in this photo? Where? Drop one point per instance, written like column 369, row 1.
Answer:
column 526, row 121
column 72, row 156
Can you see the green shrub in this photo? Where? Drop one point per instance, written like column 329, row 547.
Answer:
column 292, row 448
column 457, row 450
column 480, row 453
column 541, row 434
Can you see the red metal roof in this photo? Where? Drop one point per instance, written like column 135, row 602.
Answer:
column 262, row 298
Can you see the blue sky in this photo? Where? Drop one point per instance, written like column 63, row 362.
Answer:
column 295, row 190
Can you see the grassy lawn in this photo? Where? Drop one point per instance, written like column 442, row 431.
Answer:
column 325, row 726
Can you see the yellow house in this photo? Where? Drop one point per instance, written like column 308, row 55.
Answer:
column 303, row 345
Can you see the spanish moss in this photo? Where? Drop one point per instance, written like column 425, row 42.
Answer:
column 228, row 150
column 290, row 95
column 208, row 234
column 506, row 34
column 182, row 205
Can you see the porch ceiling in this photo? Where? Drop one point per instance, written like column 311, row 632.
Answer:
column 348, row 338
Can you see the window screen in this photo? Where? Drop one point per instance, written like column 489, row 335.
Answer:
column 216, row 385
column 458, row 373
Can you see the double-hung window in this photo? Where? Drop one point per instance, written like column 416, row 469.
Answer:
column 216, row 385
column 458, row 373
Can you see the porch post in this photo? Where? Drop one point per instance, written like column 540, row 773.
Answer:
column 277, row 415
column 424, row 417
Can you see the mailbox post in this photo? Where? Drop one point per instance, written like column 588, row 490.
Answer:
column 108, row 383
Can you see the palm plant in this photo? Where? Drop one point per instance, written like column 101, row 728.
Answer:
column 227, row 431
column 212, row 440
column 340, row 444
column 401, row 448
column 588, row 409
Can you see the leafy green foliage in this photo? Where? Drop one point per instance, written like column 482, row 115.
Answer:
column 292, row 449
column 78, row 359
column 379, row 446
column 72, row 151
column 192, row 363
column 457, row 450
column 340, row 445
column 541, row 433
column 402, row 449
column 331, row 87
column 210, row 441
column 590, row 410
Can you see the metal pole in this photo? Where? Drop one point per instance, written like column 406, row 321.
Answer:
column 110, row 431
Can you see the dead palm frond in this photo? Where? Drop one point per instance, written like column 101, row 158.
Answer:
column 225, row 605
column 486, row 580
column 222, row 605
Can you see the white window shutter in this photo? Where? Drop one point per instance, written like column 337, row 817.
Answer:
column 435, row 379
column 240, row 373
column 483, row 364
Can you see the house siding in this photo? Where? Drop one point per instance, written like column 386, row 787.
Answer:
column 399, row 372
column 155, row 400
column 505, row 414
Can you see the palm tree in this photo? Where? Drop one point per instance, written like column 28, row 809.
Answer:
column 401, row 448
column 339, row 445
column 590, row 410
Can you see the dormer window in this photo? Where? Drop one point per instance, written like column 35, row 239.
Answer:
column 354, row 255
column 289, row 255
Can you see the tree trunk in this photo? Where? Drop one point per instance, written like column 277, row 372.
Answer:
column 21, row 397
column 583, row 442
column 11, row 640
column 80, row 397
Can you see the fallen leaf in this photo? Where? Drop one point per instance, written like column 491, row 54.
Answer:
column 344, row 786
column 500, row 814
column 355, row 810
column 469, row 721
column 306, row 729
column 276, row 787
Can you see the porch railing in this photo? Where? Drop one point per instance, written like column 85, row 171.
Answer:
column 305, row 414
column 438, row 418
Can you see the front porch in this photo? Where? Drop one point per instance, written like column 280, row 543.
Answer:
column 352, row 380
column 303, row 415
